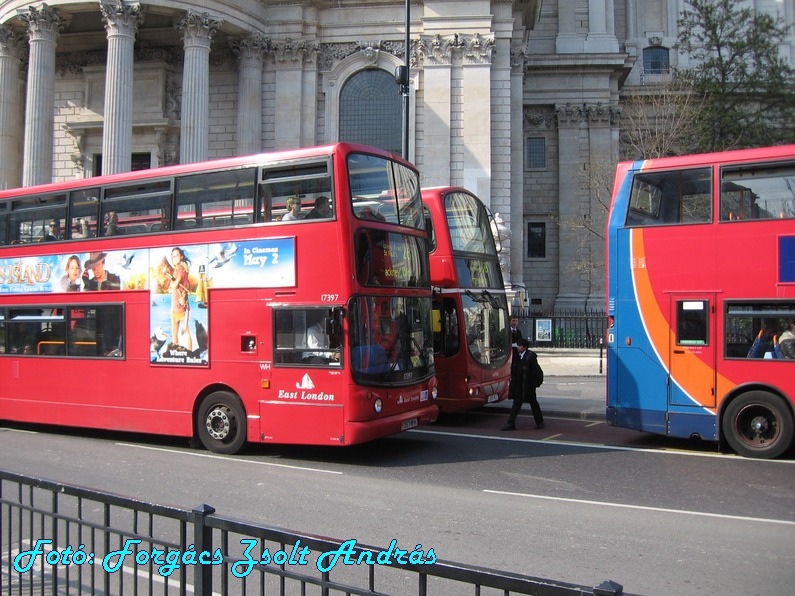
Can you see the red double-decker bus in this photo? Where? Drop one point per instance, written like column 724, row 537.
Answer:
column 281, row 297
column 470, row 311
column 701, row 298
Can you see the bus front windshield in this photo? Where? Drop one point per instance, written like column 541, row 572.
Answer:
column 486, row 324
column 469, row 224
column 390, row 339
column 385, row 191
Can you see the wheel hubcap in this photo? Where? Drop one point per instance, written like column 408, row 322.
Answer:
column 757, row 426
column 218, row 423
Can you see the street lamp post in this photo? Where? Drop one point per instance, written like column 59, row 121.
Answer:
column 402, row 79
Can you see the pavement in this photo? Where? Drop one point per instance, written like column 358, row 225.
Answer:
column 574, row 384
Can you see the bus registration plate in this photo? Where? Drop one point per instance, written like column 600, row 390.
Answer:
column 408, row 424
column 492, row 398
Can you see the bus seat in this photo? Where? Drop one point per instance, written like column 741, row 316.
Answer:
column 371, row 359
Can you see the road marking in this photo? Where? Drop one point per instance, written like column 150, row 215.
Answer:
column 19, row 430
column 661, row 451
column 644, row 508
column 225, row 458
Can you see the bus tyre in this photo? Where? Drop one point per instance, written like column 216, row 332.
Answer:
column 221, row 423
column 758, row 424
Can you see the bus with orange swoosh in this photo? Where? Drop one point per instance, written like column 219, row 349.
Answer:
column 701, row 299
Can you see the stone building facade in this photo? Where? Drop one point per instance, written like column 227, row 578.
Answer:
column 517, row 100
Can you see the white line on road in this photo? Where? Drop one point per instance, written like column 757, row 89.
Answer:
column 242, row 461
column 603, row 446
column 643, row 508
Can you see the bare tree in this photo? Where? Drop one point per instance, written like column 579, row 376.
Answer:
column 657, row 119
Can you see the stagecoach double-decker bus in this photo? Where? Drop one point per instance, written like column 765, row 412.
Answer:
column 470, row 312
column 282, row 297
column 701, row 298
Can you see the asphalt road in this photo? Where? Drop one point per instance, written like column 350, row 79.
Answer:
column 564, row 504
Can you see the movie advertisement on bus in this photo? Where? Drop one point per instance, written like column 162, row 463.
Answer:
column 179, row 280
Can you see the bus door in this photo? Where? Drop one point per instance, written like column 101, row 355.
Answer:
column 692, row 352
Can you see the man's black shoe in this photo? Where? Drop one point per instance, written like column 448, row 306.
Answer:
column 509, row 427
column 539, row 426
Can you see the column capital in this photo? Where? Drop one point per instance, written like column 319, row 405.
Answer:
column 569, row 115
column 250, row 49
column 198, row 29
column 439, row 50
column 121, row 18
column 602, row 115
column 293, row 53
column 44, row 23
column 12, row 44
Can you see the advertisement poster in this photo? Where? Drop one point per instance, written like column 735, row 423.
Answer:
column 179, row 280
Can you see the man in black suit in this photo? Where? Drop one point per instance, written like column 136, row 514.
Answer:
column 516, row 333
column 525, row 374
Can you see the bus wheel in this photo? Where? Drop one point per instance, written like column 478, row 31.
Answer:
column 758, row 424
column 221, row 423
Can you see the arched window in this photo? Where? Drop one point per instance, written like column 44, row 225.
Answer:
column 371, row 110
column 656, row 60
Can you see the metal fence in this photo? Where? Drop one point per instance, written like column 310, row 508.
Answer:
column 61, row 539
column 562, row 329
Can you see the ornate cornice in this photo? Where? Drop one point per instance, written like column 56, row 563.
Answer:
column 538, row 118
column 440, row 50
column 598, row 114
column 331, row 54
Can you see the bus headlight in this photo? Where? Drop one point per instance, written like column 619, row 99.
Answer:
column 435, row 391
column 378, row 405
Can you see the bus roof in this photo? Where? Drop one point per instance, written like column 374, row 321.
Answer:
column 199, row 166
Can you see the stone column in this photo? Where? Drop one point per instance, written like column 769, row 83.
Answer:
column 568, row 41
column 44, row 26
column 250, row 56
column 12, row 51
column 289, row 122
column 197, row 34
column 437, row 88
column 603, row 134
column 600, row 28
column 476, row 116
column 121, row 23
column 570, row 292
column 515, row 216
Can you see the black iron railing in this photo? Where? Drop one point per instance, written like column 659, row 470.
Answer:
column 61, row 539
column 562, row 329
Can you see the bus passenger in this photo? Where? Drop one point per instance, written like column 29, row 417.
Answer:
column 112, row 224
column 81, row 229
column 786, row 343
column 321, row 210
column 102, row 280
column 293, row 209
column 70, row 282
column 764, row 340
column 53, row 231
